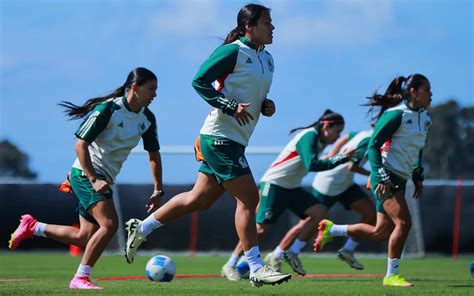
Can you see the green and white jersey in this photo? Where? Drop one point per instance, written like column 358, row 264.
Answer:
column 337, row 180
column 397, row 142
column 242, row 74
column 298, row 158
column 112, row 131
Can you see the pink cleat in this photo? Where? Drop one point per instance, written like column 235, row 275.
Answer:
column 82, row 282
column 24, row 231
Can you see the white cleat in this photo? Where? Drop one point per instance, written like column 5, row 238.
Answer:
column 267, row 276
column 274, row 262
column 349, row 258
column 134, row 239
column 230, row 273
column 294, row 261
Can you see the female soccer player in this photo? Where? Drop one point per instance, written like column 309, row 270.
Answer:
column 113, row 126
column 331, row 187
column 280, row 186
column 243, row 71
column 395, row 151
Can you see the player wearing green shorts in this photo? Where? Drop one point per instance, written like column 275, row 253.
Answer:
column 113, row 126
column 329, row 187
column 280, row 187
column 242, row 72
column 395, row 151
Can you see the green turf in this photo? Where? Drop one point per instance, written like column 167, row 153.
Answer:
column 50, row 274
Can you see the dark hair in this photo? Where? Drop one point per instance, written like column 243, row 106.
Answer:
column 398, row 90
column 329, row 117
column 248, row 16
column 139, row 76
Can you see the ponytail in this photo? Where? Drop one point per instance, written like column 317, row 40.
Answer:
column 248, row 16
column 234, row 35
column 139, row 76
column 76, row 112
column 397, row 91
column 328, row 117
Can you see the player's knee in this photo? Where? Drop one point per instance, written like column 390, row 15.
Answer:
column 405, row 224
column 381, row 234
column 110, row 226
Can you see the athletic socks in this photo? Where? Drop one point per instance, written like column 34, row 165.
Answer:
column 392, row 266
column 84, row 270
column 39, row 229
column 149, row 224
column 278, row 253
column 233, row 260
column 297, row 246
column 254, row 259
column 338, row 230
column 350, row 245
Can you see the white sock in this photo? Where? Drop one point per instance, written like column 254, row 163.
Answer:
column 297, row 246
column 278, row 252
column 350, row 245
column 254, row 259
column 84, row 270
column 233, row 260
column 338, row 230
column 39, row 229
column 149, row 224
column 392, row 266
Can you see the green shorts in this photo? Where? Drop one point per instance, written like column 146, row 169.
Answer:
column 346, row 198
column 85, row 193
column 397, row 180
column 274, row 200
column 223, row 158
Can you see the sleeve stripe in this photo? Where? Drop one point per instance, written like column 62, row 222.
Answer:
column 88, row 124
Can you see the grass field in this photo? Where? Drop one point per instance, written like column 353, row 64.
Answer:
column 50, row 273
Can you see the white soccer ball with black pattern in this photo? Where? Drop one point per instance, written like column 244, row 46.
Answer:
column 160, row 269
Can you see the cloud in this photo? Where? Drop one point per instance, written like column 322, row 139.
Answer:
column 348, row 23
column 188, row 18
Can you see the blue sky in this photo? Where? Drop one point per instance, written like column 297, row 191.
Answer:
column 328, row 54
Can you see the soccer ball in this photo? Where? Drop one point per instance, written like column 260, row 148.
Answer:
column 160, row 269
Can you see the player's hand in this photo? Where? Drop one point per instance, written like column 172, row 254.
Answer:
column 241, row 115
column 100, row 186
column 268, row 108
column 385, row 189
column 153, row 203
column 418, row 190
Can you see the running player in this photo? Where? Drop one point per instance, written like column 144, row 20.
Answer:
column 280, row 187
column 113, row 126
column 331, row 187
column 243, row 71
column 395, row 151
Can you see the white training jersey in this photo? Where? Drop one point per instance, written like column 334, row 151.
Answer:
column 112, row 131
column 339, row 179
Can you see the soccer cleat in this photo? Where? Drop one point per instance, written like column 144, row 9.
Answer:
column 294, row 261
column 82, row 282
column 230, row 273
column 349, row 258
column 267, row 276
column 274, row 262
column 323, row 235
column 24, row 231
column 397, row 281
column 134, row 239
